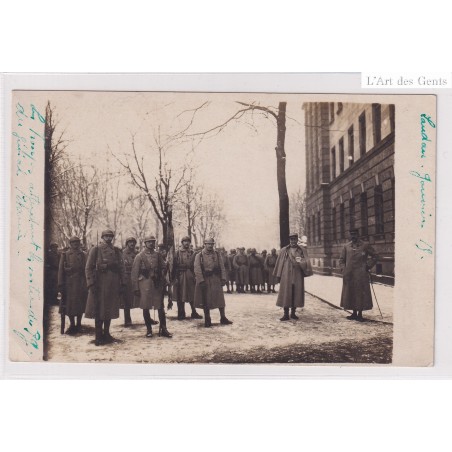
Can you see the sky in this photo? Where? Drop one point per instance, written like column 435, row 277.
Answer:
column 238, row 164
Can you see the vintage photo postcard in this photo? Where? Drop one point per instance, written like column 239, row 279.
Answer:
column 234, row 228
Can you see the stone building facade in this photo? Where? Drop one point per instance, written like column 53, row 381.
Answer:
column 350, row 181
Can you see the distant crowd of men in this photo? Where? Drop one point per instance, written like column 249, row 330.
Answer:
column 99, row 283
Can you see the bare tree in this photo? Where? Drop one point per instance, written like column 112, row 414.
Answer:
column 298, row 212
column 210, row 220
column 77, row 199
column 162, row 190
column 279, row 116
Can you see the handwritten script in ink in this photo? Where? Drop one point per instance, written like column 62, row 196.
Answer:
column 424, row 181
column 28, row 144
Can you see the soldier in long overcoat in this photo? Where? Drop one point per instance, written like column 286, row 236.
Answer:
column 51, row 271
column 356, row 260
column 183, row 290
column 227, row 266
column 231, row 274
column 288, row 272
column 256, row 266
column 210, row 278
column 72, row 284
column 240, row 263
column 148, row 282
column 269, row 265
column 106, row 279
column 129, row 300
column 263, row 256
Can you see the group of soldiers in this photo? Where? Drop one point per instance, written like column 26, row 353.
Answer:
column 100, row 283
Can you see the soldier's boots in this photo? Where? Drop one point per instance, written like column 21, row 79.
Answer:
column 149, row 331
column 99, row 336
column 108, row 338
column 72, row 330
column 162, row 329
column 224, row 320
column 195, row 315
column 181, row 310
column 127, row 318
column 293, row 315
column 354, row 316
column 285, row 316
column 207, row 319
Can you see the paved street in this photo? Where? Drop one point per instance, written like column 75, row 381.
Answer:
column 322, row 335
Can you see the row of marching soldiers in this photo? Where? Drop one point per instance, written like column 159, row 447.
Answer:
column 99, row 284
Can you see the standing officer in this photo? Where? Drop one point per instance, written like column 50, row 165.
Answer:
column 210, row 277
column 264, row 271
column 129, row 300
column 232, row 269
column 72, row 284
column 269, row 264
column 51, row 282
column 106, row 280
column 357, row 259
column 227, row 266
column 240, row 263
column 255, row 271
column 148, row 282
column 184, row 280
column 288, row 271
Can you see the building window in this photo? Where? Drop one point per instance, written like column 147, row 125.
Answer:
column 376, row 122
column 314, row 230
column 351, row 146
column 333, row 162
column 341, row 155
column 319, row 229
column 364, row 215
column 342, row 222
column 392, row 117
column 378, row 203
column 339, row 107
column 331, row 112
column 333, row 217
column 362, row 133
column 352, row 213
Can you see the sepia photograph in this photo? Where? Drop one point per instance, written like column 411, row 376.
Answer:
column 218, row 228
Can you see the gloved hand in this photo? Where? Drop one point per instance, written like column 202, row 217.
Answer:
column 170, row 305
column 202, row 283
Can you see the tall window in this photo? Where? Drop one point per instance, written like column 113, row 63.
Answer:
column 342, row 221
column 351, row 146
column 392, row 117
column 319, row 227
column 362, row 133
column 333, row 162
column 364, row 215
column 331, row 112
column 341, row 155
column 376, row 122
column 333, row 216
column 352, row 213
column 314, row 230
column 379, row 217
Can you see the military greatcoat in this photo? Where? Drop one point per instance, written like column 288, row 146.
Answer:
column 355, row 260
column 106, row 273
column 240, row 263
column 72, row 281
column 184, row 283
column 269, row 264
column 209, row 268
column 128, row 299
column 148, row 276
column 255, row 270
column 291, row 289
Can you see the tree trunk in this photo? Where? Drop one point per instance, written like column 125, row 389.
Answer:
column 281, row 176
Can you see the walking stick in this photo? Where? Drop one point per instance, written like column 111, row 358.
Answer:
column 373, row 290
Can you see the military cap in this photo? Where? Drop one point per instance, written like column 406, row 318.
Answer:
column 273, row 249
column 293, row 234
column 107, row 232
column 149, row 238
column 186, row 239
column 131, row 239
column 209, row 240
column 74, row 239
